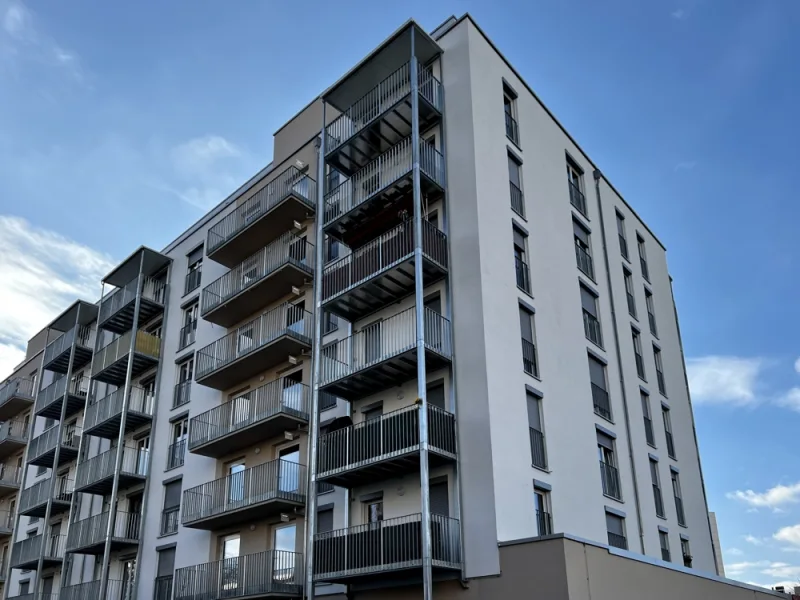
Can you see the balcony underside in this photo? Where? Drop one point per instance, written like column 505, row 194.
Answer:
column 404, row 573
column 109, row 428
column 105, row 485
column 97, row 548
column 384, row 375
column 247, row 436
column 115, row 372
column 276, row 285
column 122, row 320
column 270, row 506
column 379, row 211
column 10, row 445
column 263, row 230
column 5, row 532
column 75, row 404
column 381, row 289
column 67, row 454
column 7, row 488
column 382, row 468
column 59, row 506
column 254, row 591
column 13, row 406
column 31, row 564
column 255, row 361
column 381, row 133
column 60, row 362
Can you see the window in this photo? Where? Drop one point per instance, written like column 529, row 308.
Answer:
column 184, row 385
column 591, row 324
column 440, row 497
column 637, row 351
column 668, row 431
column 194, row 261
column 687, row 553
column 544, row 518
column 538, row 455
column 325, row 520
column 615, row 526
column 334, row 179
column 608, row 466
column 651, row 311
column 648, row 420
column 654, row 479
column 629, row 292
column 164, row 574
column 623, row 240
column 600, row 399
column 676, row 493
column 515, row 183
column 330, row 323
column 663, row 540
column 642, row 257
column 521, row 261
column 510, row 110
column 583, row 251
column 373, row 511
column 41, row 470
column 332, row 249
column 172, row 507
column 187, row 333
column 177, row 448
column 530, row 360
column 662, row 385
column 155, row 329
column 575, row 181
column 24, row 587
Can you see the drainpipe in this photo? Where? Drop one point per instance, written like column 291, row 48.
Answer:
column 597, row 176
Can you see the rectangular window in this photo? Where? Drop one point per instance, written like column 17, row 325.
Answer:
column 172, row 508
column 642, row 257
column 629, row 292
column 510, row 111
column 330, row 323
column 583, row 250
column 637, row 351
column 332, row 248
column 687, row 553
column 530, row 359
column 648, row 420
column 325, row 520
column 615, row 526
column 662, row 385
column 183, row 388
column 651, row 311
column 663, row 539
column 608, row 466
column 521, row 261
column 668, row 431
column 538, row 454
column 657, row 495
column 194, row 261
column 575, row 182
column 164, row 574
column 544, row 518
column 515, row 185
column 189, row 329
column 623, row 240
column 176, row 451
column 591, row 322
column 597, row 375
column 676, row 493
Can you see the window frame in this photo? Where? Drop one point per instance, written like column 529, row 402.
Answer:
column 622, row 236
column 582, row 238
column 627, row 277
column 636, row 340
column 651, row 312
column 534, row 408
column 658, row 361
column 521, row 262
column 529, row 317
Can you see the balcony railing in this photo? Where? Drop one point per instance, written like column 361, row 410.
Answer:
column 584, row 260
column 92, row 530
column 617, row 541
column 187, row 335
column 517, row 199
column 648, row 431
column 6, row 522
column 591, row 328
column 170, row 518
column 117, row 590
column 146, row 344
column 610, row 477
column 15, row 430
column 42, row 444
column 512, row 129
column 135, row 463
column 378, row 100
column 576, row 198
column 670, row 444
column 384, row 340
column 10, row 475
column 18, row 387
column 385, row 438
column 530, row 362
column 665, row 554
column 141, row 403
column 679, row 511
column 55, row 392
column 274, row 480
column 523, row 274
column 385, row 170
column 29, row 550
column 152, row 289
column 659, row 500
column 81, row 335
column 290, row 182
column 182, row 393
column 544, row 522
column 252, row 575
column 192, row 281
column 388, row 545
column 39, row 493
column 176, row 454
column 601, row 401
column 538, row 454
column 285, row 320
column 163, row 588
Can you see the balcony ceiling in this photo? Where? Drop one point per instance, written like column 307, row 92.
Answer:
column 84, row 311
column 128, row 269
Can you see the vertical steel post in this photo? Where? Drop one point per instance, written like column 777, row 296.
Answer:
column 313, row 426
column 419, row 304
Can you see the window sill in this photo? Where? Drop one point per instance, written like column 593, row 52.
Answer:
column 596, row 344
column 653, row 446
column 527, row 293
column 190, row 292
column 189, row 345
column 536, row 377
column 590, row 276
column 633, row 316
column 606, row 419
column 663, row 394
column 166, row 535
column 625, row 258
column 662, row 517
column 642, row 378
column 684, row 525
column 515, row 142
column 655, row 334
column 672, row 457
column 620, row 500
column 520, row 215
column 167, row 470
column 542, row 469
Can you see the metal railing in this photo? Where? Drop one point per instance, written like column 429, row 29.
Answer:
column 30, row 549
column 659, row 500
column 163, row 588
column 80, row 334
column 523, row 274
column 10, row 475
column 576, row 198
column 383, row 340
column 6, row 520
column 670, row 443
column 648, row 431
column 631, row 304
column 530, row 362
column 610, row 476
column 517, row 199
column 274, row 480
column 187, row 335
column 141, row 401
column 591, row 327
column 251, row 575
column 665, row 554
column 286, row 319
column 290, row 182
column 584, row 260
column 192, row 281
column 379, row 99
column 652, row 320
column 380, row 254
column 92, row 530
column 134, row 462
column 287, row 249
column 385, row 545
column 117, row 590
column 662, row 385
column 383, row 171
column 170, row 518
column 70, row 438
column 679, row 511
column 538, row 454
column 18, row 387
column 544, row 522
column 617, row 541
column 380, row 439
column 176, row 454
column 40, row 493
column 182, row 393
column 16, row 429
column 512, row 129
column 152, row 289
column 645, row 270
column 601, row 401
column 146, row 343
column 623, row 245
column 56, row 391
column 268, row 400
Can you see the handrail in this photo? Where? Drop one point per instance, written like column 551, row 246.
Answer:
column 56, row 390
column 30, row 549
column 152, row 289
column 140, row 401
column 92, row 530
column 610, row 476
column 16, row 429
column 123, row 590
column 46, row 441
column 82, row 335
column 134, row 462
column 18, row 387
column 146, row 343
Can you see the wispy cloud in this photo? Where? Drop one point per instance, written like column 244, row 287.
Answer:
column 679, row 14
column 774, row 498
column 733, row 552
column 790, row 535
column 739, row 568
column 755, row 541
column 797, row 366
column 727, row 380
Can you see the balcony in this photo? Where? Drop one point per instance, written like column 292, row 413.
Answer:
column 364, row 552
column 258, row 345
column 117, row 308
column 13, row 436
column 96, row 475
column 15, row 396
column 577, row 199
column 290, row 197
column 259, row 414
column 110, row 363
column 50, row 400
column 274, row 573
column 381, row 188
column 610, row 477
column 384, row 354
column 385, row 447
column 382, row 271
column 88, row 536
column 262, row 491
column 381, row 118
column 259, row 280
column 42, row 449
column 33, row 500
column 10, row 479
column 6, row 523
column 103, row 417
column 25, row 553
column 116, row 590
column 57, row 352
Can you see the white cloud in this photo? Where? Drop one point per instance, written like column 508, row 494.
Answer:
column 773, row 498
column 790, row 399
column 42, row 273
column 790, row 535
column 724, row 379
column 736, row 569
column 797, row 365
column 733, row 552
column 15, row 20
column 751, row 539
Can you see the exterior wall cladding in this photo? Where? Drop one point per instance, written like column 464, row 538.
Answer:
column 454, row 439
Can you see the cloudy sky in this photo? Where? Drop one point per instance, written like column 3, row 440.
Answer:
column 120, row 123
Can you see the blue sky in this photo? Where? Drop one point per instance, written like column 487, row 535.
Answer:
column 688, row 106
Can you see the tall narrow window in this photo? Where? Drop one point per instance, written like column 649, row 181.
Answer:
column 583, row 250
column 164, row 574
column 629, row 292
column 521, row 261
column 515, row 183
column 530, row 359
column 608, row 466
column 663, row 539
column 668, row 431
column 194, row 261
column 172, row 507
column 510, row 111
column 591, row 323
column 184, row 386
column 656, row 481
column 325, row 520
column 651, row 311
column 662, row 385
column 676, row 492
column 687, row 553
column 637, row 351
column 615, row 526
column 648, row 420
column 538, row 454
column 575, row 182
column 597, row 375
column 189, row 329
column 544, row 518
column 623, row 239
column 643, row 257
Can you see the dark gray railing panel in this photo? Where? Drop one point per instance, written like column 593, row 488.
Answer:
column 81, row 335
column 182, row 393
column 117, row 590
column 610, row 477
column 15, row 429
column 538, row 454
column 141, row 401
column 576, row 198
column 43, row 443
column 92, row 530
column 146, row 344
column 176, row 454
column 601, row 401
column 56, row 391
column 152, row 289
column 19, row 387
column 134, row 462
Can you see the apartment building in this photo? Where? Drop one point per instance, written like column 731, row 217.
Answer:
column 428, row 351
